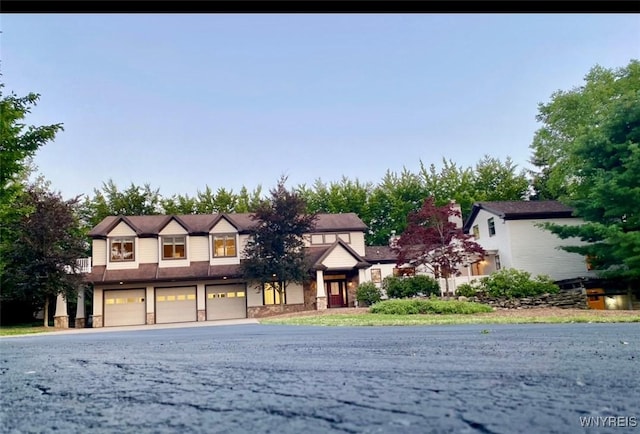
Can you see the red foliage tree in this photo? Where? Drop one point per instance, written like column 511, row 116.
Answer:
column 434, row 239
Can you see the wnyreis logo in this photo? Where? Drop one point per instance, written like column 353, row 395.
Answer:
column 608, row 422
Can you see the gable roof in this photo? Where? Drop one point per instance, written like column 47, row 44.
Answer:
column 319, row 254
column 201, row 224
column 520, row 210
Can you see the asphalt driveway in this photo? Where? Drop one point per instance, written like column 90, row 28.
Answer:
column 256, row 378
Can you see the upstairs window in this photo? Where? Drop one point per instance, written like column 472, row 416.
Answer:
column 476, row 232
column 492, row 227
column 173, row 247
column 224, row 245
column 122, row 249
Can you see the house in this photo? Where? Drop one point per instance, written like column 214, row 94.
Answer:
column 179, row 268
column 509, row 232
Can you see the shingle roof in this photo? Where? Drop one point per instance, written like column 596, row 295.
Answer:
column 380, row 254
column 151, row 225
column 520, row 209
column 151, row 272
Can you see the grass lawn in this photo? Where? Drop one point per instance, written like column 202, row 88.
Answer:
column 24, row 329
column 362, row 317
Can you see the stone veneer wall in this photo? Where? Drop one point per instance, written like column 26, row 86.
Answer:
column 274, row 309
column 97, row 321
column 61, row 322
column 563, row 299
column 151, row 318
column 202, row 315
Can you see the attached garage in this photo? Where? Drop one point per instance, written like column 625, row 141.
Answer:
column 176, row 304
column 124, row 307
column 226, row 301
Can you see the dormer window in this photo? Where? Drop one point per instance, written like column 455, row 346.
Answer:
column 122, row 249
column 173, row 247
column 224, row 245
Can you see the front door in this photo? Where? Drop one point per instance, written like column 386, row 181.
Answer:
column 336, row 289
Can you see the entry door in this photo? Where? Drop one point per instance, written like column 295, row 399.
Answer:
column 337, row 293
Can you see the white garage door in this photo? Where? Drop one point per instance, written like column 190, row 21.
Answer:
column 124, row 307
column 177, row 304
column 226, row 301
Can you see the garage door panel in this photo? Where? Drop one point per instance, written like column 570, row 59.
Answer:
column 176, row 304
column 124, row 307
column 226, row 301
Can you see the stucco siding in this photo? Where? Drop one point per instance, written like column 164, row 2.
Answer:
column 357, row 242
column 223, row 227
column 254, row 296
column 385, row 271
column 173, row 228
column 536, row 250
column 295, row 293
column 122, row 230
column 99, row 252
column 97, row 301
column 339, row 258
column 148, row 250
column 242, row 243
column 198, row 248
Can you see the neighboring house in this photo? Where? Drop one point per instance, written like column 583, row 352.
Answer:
column 162, row 269
column 509, row 232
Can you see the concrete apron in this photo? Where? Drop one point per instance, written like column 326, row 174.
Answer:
column 70, row 331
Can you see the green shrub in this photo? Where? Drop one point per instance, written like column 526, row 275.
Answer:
column 407, row 287
column 422, row 285
column 470, row 289
column 368, row 294
column 513, row 283
column 431, row 306
column 393, row 286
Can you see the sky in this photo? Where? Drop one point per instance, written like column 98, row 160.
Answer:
column 185, row 101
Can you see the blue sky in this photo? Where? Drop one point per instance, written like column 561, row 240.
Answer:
column 181, row 101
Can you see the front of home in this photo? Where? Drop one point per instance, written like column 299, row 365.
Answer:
column 510, row 233
column 180, row 268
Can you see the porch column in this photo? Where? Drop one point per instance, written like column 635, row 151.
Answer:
column 321, row 296
column 80, row 317
column 61, row 318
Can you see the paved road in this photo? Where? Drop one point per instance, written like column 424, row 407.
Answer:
column 285, row 379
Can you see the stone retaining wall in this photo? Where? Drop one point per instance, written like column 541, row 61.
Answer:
column 274, row 309
column 563, row 299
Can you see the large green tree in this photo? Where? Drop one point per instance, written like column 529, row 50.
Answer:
column 593, row 132
column 41, row 263
column 18, row 144
column 110, row 200
column 274, row 253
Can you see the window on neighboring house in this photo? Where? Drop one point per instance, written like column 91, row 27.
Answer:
column 272, row 295
column 173, row 247
column 122, row 249
column 476, row 232
column 492, row 226
column 498, row 263
column 224, row 245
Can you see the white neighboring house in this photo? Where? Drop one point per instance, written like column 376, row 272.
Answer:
column 508, row 231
